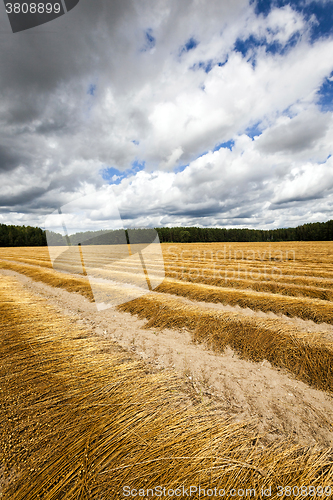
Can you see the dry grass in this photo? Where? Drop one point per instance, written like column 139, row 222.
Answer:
column 26, row 254
column 317, row 310
column 301, row 253
column 314, row 309
column 305, row 355
column 310, row 259
column 233, row 278
column 26, row 260
column 52, row 278
column 81, row 419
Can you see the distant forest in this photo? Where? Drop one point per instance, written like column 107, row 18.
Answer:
column 17, row 236
column 21, row 236
column 317, row 231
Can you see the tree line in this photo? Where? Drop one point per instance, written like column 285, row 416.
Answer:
column 17, row 236
column 22, row 236
column 317, row 231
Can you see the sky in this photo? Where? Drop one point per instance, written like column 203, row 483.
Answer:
column 203, row 113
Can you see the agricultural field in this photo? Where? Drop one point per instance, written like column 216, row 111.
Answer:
column 203, row 364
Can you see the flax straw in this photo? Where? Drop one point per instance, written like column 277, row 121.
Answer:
column 80, row 423
column 319, row 311
column 308, row 357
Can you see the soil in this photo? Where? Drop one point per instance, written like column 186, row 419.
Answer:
column 281, row 406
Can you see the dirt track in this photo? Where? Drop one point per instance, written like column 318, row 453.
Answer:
column 280, row 404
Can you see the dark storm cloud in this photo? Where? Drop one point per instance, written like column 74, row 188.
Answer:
column 184, row 211
column 290, row 203
column 38, row 60
column 38, row 64
column 9, row 158
column 21, row 199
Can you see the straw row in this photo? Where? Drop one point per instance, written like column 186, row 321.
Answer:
column 319, row 311
column 276, row 286
column 305, row 355
column 52, row 278
column 251, row 271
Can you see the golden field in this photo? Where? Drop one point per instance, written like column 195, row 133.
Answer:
column 287, row 279
column 80, row 418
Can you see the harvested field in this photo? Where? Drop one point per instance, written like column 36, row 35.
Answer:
column 82, row 418
column 281, row 268
column 111, row 275
column 74, row 428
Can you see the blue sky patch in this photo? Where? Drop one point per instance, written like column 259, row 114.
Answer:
column 137, row 166
column 205, row 65
column 243, row 46
column 149, row 39
column 325, row 95
column 324, row 16
column 189, row 45
column 228, row 144
column 114, row 176
column 220, row 63
column 252, row 43
column 263, row 6
column 254, row 130
column 180, row 168
column 92, row 89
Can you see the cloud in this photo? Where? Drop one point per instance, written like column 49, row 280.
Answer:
column 296, row 134
column 108, row 87
column 306, row 183
column 9, row 159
